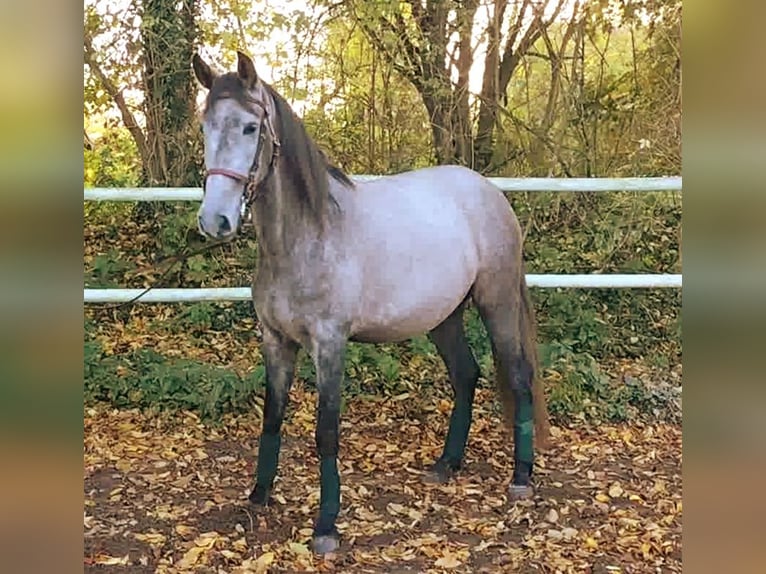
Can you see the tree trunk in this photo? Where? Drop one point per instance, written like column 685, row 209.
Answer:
column 168, row 35
column 415, row 42
column 498, row 71
column 442, row 130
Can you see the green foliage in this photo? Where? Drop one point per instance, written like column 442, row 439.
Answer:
column 107, row 268
column 196, row 316
column 479, row 341
column 174, row 229
column 422, row 346
column 605, row 233
column 146, row 379
column 368, row 118
column 580, row 390
column 113, row 161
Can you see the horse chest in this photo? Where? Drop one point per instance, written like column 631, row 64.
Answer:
column 290, row 309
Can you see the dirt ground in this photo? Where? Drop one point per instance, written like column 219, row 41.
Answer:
column 169, row 494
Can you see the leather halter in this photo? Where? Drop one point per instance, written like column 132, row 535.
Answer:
column 251, row 185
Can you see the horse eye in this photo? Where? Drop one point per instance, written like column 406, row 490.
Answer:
column 249, row 129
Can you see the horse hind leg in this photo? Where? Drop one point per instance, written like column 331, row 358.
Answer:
column 452, row 345
column 504, row 307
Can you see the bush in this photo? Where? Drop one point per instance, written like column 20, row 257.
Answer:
column 146, row 379
column 578, row 389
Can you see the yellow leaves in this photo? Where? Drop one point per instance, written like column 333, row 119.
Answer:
column 615, row 491
column 298, row 548
column 448, row 560
column 363, row 513
column 185, row 531
column 414, row 514
column 240, row 545
column 260, row 565
column 646, row 550
column 659, row 487
column 107, row 560
column 190, row 558
column 202, row 545
column 263, row 562
column 164, row 512
column 590, row 543
column 362, row 492
column 627, row 437
column 445, row 406
column 151, row 538
column 194, row 479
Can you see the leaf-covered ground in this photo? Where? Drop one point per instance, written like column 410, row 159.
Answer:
column 167, row 493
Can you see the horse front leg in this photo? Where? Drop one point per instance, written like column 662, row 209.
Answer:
column 279, row 354
column 329, row 363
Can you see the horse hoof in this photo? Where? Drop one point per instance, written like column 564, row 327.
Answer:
column 521, row 492
column 438, row 473
column 325, row 544
column 259, row 496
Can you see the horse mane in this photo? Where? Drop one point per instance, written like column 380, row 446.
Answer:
column 307, row 166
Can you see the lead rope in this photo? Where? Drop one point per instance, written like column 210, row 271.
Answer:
column 174, row 260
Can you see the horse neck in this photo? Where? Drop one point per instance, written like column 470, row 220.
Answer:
column 284, row 222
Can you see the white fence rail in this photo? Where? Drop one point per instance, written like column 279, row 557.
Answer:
column 505, row 183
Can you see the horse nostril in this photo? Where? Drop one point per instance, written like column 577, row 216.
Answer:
column 224, row 226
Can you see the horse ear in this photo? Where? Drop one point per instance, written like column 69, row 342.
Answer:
column 205, row 75
column 246, row 70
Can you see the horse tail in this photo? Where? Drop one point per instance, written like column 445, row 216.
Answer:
column 528, row 339
column 528, row 333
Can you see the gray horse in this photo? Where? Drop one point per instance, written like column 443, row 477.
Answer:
column 371, row 262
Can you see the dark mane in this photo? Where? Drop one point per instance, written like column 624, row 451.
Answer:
column 306, row 164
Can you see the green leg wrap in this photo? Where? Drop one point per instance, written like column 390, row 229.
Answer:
column 523, row 438
column 329, row 498
column 457, row 435
column 268, row 458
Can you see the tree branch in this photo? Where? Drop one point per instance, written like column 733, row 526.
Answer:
column 128, row 119
column 413, row 70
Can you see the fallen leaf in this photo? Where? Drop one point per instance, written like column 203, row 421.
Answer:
column 615, row 491
column 151, row 538
column 262, row 563
column 448, row 561
column 298, row 548
column 554, row 534
column 569, row 533
column 107, row 560
column 184, row 530
column 190, row 558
